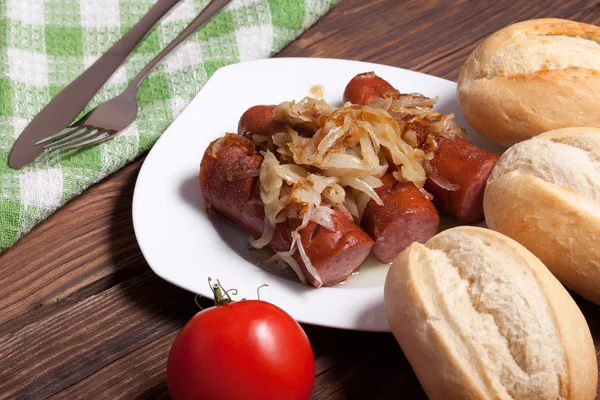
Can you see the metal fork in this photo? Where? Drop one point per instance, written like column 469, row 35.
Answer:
column 111, row 117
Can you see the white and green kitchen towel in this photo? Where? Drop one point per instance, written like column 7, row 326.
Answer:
column 45, row 44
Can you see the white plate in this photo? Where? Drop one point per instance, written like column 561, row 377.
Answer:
column 183, row 246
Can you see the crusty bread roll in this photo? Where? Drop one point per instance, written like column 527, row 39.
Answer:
column 480, row 317
column 545, row 194
column 532, row 77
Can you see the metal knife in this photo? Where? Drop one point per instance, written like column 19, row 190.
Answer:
column 66, row 105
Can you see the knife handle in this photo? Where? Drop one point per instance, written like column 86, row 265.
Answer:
column 129, row 42
column 69, row 102
column 73, row 98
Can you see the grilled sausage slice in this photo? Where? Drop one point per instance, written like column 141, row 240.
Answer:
column 229, row 185
column 368, row 87
column 465, row 166
column 258, row 120
column 407, row 216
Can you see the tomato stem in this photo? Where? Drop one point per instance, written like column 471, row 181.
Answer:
column 258, row 290
column 220, row 295
column 197, row 303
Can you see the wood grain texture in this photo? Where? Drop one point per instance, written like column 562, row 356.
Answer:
column 81, row 314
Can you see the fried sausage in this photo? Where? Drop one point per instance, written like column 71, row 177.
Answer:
column 229, row 185
column 367, row 87
column 407, row 216
column 334, row 254
column 456, row 160
column 228, row 181
column 466, row 166
column 258, row 120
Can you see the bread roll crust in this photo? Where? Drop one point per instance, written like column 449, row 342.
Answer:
column 480, row 317
column 532, row 77
column 545, row 194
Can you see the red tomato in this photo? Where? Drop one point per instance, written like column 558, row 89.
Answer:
column 244, row 350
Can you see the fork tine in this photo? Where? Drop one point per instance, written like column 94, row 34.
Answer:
column 59, row 135
column 87, row 133
column 100, row 137
column 81, row 130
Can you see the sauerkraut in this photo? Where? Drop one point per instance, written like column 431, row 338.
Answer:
column 327, row 158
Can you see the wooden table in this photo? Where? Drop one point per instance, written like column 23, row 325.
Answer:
column 83, row 316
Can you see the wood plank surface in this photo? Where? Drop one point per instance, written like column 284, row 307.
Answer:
column 83, row 316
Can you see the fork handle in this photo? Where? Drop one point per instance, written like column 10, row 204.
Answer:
column 209, row 11
column 67, row 104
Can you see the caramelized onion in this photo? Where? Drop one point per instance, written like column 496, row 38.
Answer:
column 444, row 184
column 340, row 163
column 307, row 263
column 335, row 193
column 363, row 186
column 287, row 258
column 411, row 137
column 435, row 178
column 350, row 205
column 384, row 104
column 322, row 216
column 362, row 199
column 433, row 144
column 426, row 194
column 266, row 237
column 413, row 100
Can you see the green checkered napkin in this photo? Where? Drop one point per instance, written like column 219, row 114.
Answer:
column 45, row 44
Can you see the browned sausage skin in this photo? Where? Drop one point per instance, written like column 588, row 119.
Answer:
column 258, row 120
column 367, row 87
column 455, row 161
column 461, row 163
column 228, row 183
column 406, row 216
column 333, row 254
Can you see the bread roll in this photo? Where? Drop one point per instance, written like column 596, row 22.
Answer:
column 532, row 77
column 545, row 194
column 480, row 317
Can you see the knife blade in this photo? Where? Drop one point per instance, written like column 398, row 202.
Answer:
column 60, row 112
